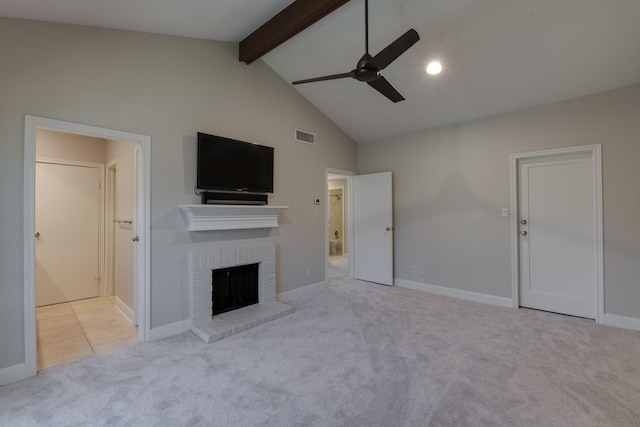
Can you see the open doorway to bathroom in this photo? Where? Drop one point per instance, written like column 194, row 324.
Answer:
column 338, row 225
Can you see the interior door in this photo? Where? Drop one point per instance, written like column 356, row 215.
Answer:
column 373, row 228
column 558, row 235
column 67, row 232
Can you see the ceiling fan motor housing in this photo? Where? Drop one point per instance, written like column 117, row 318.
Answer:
column 365, row 71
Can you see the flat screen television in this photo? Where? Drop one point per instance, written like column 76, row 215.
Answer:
column 226, row 164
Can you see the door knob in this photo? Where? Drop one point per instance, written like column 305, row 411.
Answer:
column 37, row 234
column 523, row 221
column 136, row 239
column 523, row 233
column 388, row 228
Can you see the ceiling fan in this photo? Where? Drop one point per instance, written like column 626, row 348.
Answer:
column 369, row 67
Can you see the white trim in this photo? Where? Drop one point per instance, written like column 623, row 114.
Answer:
column 622, row 321
column 142, row 229
column 302, row 292
column 595, row 150
column 126, row 311
column 454, row 293
column 230, row 217
column 170, row 330
column 514, row 236
column 108, row 284
column 14, row 373
column 143, row 217
column 597, row 169
column 30, row 355
column 40, row 159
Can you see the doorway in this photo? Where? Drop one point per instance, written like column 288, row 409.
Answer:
column 338, row 230
column 557, row 231
column 336, row 221
column 140, row 224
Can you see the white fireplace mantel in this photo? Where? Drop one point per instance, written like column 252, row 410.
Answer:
column 230, row 217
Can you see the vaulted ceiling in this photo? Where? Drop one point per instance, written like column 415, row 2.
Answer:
column 498, row 55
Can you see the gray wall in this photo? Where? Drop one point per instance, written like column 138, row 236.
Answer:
column 168, row 88
column 450, row 184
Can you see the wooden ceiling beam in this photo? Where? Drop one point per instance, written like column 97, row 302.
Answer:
column 287, row 23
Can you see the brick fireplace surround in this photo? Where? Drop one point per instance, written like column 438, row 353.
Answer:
column 200, row 264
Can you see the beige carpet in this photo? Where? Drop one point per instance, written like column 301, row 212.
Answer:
column 355, row 354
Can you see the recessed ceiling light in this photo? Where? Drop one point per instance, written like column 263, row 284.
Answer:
column 434, row 68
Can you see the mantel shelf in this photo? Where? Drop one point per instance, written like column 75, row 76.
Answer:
column 230, row 217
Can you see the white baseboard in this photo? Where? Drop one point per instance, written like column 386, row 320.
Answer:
column 622, row 321
column 15, row 373
column 169, row 330
column 455, row 293
column 301, row 292
column 125, row 310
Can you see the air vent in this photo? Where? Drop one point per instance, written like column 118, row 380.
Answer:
column 306, row 137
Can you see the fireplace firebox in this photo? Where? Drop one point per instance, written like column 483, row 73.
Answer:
column 234, row 287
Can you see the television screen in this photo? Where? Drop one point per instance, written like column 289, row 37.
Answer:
column 229, row 165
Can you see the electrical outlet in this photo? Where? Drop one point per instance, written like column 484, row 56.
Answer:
column 422, row 271
column 408, row 269
column 413, row 269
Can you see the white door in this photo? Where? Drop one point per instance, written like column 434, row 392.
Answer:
column 373, row 228
column 558, row 234
column 67, row 232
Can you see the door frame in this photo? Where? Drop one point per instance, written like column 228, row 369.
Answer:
column 142, row 217
column 101, row 209
column 595, row 151
column 349, row 175
column 108, row 285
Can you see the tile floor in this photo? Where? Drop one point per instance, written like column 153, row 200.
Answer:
column 77, row 329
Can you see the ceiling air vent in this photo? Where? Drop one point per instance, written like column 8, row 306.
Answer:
column 306, row 137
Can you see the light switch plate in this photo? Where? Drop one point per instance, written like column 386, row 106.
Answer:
column 505, row 213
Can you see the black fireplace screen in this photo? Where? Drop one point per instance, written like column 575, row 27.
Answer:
column 234, row 287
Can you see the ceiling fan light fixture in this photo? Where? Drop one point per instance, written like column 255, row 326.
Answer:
column 434, row 68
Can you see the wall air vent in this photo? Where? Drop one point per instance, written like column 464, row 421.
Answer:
column 306, row 137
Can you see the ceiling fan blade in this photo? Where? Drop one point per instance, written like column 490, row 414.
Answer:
column 323, row 78
column 395, row 49
column 384, row 87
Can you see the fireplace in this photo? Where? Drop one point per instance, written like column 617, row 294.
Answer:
column 201, row 264
column 234, row 288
